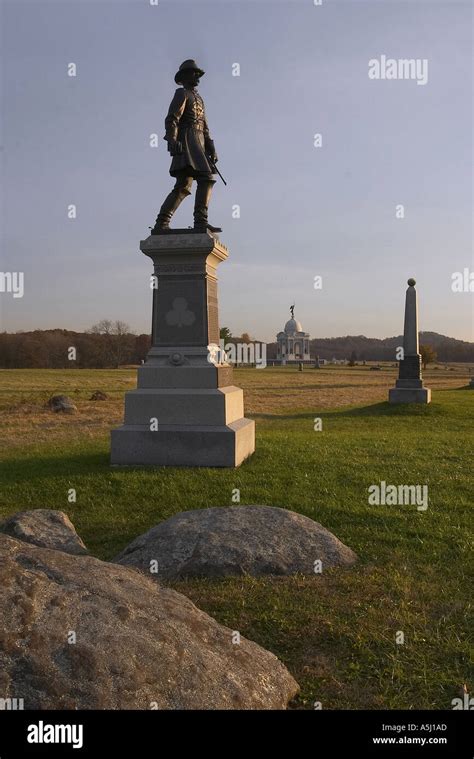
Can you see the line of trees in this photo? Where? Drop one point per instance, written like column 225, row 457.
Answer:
column 109, row 344
column 361, row 348
column 427, row 352
column 105, row 345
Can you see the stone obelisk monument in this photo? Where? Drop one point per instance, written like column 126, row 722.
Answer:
column 185, row 410
column 409, row 385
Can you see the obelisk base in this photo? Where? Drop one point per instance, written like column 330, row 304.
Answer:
column 409, row 385
column 409, row 395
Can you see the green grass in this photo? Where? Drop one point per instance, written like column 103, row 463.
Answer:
column 335, row 632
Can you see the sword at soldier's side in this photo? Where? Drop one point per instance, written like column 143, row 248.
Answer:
column 216, row 170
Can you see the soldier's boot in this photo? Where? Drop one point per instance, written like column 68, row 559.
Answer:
column 201, row 204
column 179, row 192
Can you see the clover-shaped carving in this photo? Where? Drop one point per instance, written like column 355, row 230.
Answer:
column 180, row 316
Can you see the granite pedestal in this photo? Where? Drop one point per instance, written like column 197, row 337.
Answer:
column 409, row 395
column 186, row 411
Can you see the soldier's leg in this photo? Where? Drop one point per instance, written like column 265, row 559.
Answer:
column 201, row 203
column 180, row 191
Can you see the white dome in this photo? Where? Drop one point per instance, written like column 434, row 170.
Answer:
column 292, row 326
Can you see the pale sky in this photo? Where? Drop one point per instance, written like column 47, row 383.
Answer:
column 305, row 210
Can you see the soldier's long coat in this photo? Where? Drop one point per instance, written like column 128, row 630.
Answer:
column 186, row 122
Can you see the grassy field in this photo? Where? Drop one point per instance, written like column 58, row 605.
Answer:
column 336, row 632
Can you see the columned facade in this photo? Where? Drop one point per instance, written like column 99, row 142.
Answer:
column 293, row 343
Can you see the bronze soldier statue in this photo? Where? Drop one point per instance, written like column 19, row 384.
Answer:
column 192, row 150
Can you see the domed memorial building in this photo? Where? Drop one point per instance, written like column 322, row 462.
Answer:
column 293, row 343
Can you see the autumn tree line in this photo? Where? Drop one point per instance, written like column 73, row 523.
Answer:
column 105, row 345
column 110, row 344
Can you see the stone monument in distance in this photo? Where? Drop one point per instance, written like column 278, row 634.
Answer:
column 409, row 385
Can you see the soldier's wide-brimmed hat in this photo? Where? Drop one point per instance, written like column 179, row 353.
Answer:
column 188, row 65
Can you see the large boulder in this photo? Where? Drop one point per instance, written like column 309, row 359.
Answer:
column 236, row 540
column 46, row 528
column 137, row 645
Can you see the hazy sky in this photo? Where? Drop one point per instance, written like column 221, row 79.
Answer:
column 305, row 210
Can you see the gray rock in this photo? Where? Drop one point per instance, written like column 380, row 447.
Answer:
column 138, row 645
column 236, row 540
column 61, row 403
column 98, row 396
column 46, row 528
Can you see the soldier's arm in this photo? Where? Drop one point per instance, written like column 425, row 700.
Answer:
column 175, row 112
column 209, row 142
